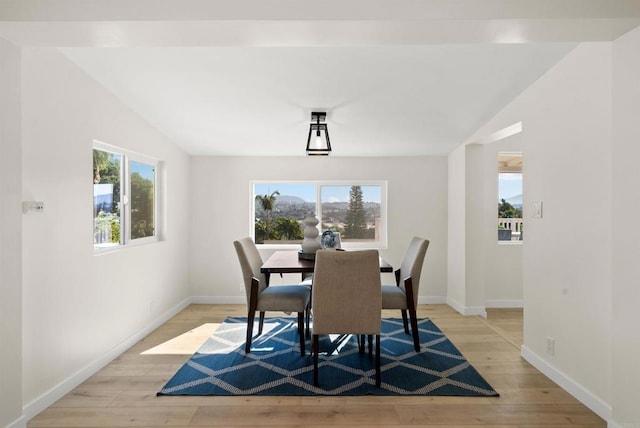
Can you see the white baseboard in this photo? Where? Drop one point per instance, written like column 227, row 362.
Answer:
column 219, row 300
column 432, row 300
column 19, row 423
column 455, row 305
column 475, row 311
column 241, row 300
column 632, row 424
column 36, row 406
column 504, row 304
column 586, row 397
column 467, row 310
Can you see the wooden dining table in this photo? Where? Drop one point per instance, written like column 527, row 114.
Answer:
column 289, row 262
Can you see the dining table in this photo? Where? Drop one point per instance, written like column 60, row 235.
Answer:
column 289, row 261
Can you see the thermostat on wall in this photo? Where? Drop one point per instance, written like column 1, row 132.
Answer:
column 32, row 207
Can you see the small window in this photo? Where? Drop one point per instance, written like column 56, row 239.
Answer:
column 107, row 179
column 143, row 191
column 510, row 222
column 356, row 209
column 124, row 198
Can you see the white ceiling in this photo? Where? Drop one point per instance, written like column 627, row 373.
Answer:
column 381, row 101
column 400, row 78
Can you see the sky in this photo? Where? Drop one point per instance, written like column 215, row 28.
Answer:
column 509, row 185
column 307, row 191
column 145, row 170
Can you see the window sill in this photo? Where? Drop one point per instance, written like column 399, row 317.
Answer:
column 114, row 248
column 510, row 242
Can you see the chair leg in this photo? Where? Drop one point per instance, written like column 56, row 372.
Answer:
column 378, row 370
column 261, row 324
column 370, row 338
column 308, row 315
column 250, row 318
column 315, row 359
column 301, row 331
column 251, row 314
column 411, row 305
column 404, row 320
column 361, row 343
column 414, row 329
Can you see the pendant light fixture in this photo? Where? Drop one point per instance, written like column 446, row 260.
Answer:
column 318, row 141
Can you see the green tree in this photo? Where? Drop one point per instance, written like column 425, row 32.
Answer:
column 106, row 170
column 506, row 210
column 259, row 228
column 267, row 202
column 355, row 221
column 100, row 164
column 142, row 201
column 287, row 228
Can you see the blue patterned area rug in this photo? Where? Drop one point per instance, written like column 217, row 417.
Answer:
column 275, row 366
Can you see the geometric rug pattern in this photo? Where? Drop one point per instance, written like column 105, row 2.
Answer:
column 275, row 366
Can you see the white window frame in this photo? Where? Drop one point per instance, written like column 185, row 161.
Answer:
column 125, row 191
column 381, row 244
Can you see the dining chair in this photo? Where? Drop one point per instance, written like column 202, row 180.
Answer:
column 404, row 295
column 347, row 299
column 263, row 298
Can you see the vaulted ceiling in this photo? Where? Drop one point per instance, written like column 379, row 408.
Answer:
column 396, row 78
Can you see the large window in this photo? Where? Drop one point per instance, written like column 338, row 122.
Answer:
column 355, row 209
column 510, row 223
column 124, row 198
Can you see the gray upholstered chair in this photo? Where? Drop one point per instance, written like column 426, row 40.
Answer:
column 262, row 298
column 404, row 295
column 347, row 299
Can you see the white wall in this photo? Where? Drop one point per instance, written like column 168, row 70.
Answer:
column 625, row 335
column 10, row 237
column 456, row 251
column 481, row 271
column 502, row 259
column 220, row 202
column 78, row 306
column 476, row 231
column 567, row 117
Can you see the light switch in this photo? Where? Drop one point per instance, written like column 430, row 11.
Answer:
column 537, row 209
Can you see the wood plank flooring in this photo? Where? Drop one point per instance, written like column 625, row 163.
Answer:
column 123, row 393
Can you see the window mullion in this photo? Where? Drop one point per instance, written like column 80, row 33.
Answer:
column 319, row 206
column 126, row 184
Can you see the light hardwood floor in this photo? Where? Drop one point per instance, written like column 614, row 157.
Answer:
column 123, row 393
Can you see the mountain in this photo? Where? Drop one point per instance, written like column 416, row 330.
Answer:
column 516, row 201
column 289, row 200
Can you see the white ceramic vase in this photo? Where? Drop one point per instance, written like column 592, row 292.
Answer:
column 311, row 241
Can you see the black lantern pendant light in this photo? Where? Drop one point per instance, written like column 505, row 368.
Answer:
column 318, row 141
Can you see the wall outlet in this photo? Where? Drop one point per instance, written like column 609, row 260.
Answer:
column 551, row 346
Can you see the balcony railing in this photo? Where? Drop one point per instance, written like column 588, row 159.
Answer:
column 513, row 226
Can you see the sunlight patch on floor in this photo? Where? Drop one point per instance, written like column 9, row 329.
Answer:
column 185, row 344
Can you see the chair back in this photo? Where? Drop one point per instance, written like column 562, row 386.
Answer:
column 412, row 264
column 346, row 293
column 250, row 263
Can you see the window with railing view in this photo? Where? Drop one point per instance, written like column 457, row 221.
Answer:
column 124, row 198
column 510, row 224
column 357, row 210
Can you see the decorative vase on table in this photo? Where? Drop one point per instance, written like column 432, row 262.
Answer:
column 311, row 241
